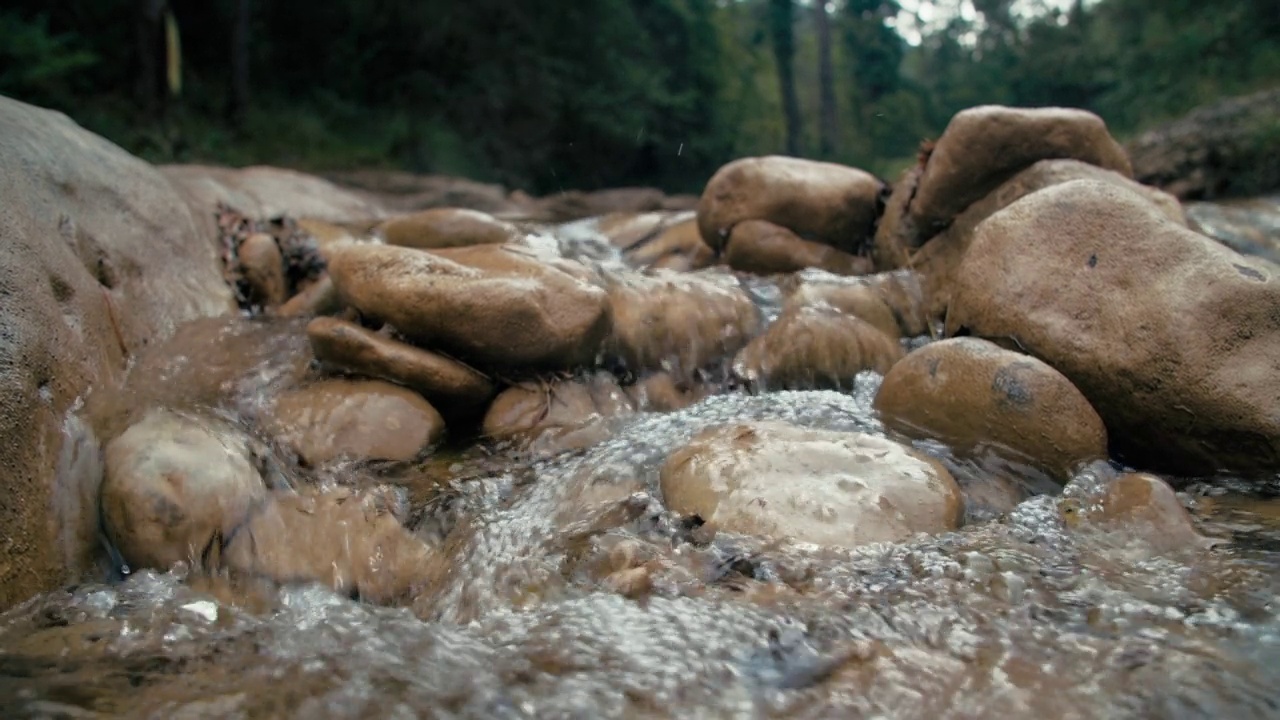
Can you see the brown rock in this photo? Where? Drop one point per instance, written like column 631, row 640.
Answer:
column 937, row 260
column 263, row 268
column 400, row 191
column 759, row 246
column 823, row 202
column 575, row 204
column 980, row 149
column 319, row 298
column 677, row 322
column 342, row 539
column 664, row 392
column 628, row 230
column 446, row 228
column 889, row 301
column 99, row 257
column 1142, row 505
column 557, row 415
column 815, row 348
column 365, row 420
column 1173, row 338
column 678, row 247
column 518, row 311
column 978, row 398
column 841, row 489
column 173, row 483
column 452, row 387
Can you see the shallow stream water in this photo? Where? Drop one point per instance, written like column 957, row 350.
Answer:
column 567, row 590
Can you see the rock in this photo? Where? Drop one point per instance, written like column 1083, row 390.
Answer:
column 679, row 248
column 445, row 228
column 455, row 389
column 1142, row 506
column 1226, row 149
column 626, row 231
column 356, row 419
column 557, row 415
column 347, row 541
column 518, row 312
column 263, row 193
column 759, row 246
column 815, row 348
column 678, row 322
column 174, row 483
column 319, row 298
column 937, row 260
column 976, row 397
column 890, row 301
column 99, row 257
column 404, row 192
column 664, row 392
column 980, row 149
column 841, row 489
column 1093, row 279
column 575, row 204
column 823, row 202
column 263, row 268
column 1249, row 226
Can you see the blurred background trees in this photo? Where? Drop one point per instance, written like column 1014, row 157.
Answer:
column 564, row 94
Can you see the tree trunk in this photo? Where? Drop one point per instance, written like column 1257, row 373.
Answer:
column 239, row 104
column 827, row 127
column 784, row 50
column 150, row 53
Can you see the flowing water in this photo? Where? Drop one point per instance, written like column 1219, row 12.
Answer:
column 567, row 590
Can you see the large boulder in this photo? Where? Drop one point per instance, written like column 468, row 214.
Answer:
column 174, row 483
column 937, row 260
column 678, row 322
column 816, row 347
column 842, row 489
column 499, row 305
column 452, row 387
column 1173, row 338
column 99, row 257
column 1227, row 149
column 980, row 149
column 759, row 246
column 977, row 397
column 824, row 202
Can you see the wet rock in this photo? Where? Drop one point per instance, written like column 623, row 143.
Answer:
column 263, row 268
column 627, row 231
column 445, row 228
column 1248, row 226
column 976, row 397
column 518, row 311
column 816, row 348
column 841, row 489
column 400, row 191
column 868, row 298
column 665, row 392
column 676, row 246
column 980, row 149
column 1142, row 506
column 677, row 322
column 345, row 540
column 174, row 482
column 452, row 387
column 99, row 257
column 1186, row 381
column 319, row 298
column 266, row 192
column 363, row 420
column 759, row 246
column 1226, row 149
column 576, row 204
column 937, row 260
column 559, row 414
column 823, row 202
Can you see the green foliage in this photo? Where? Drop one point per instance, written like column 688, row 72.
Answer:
column 577, row 93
